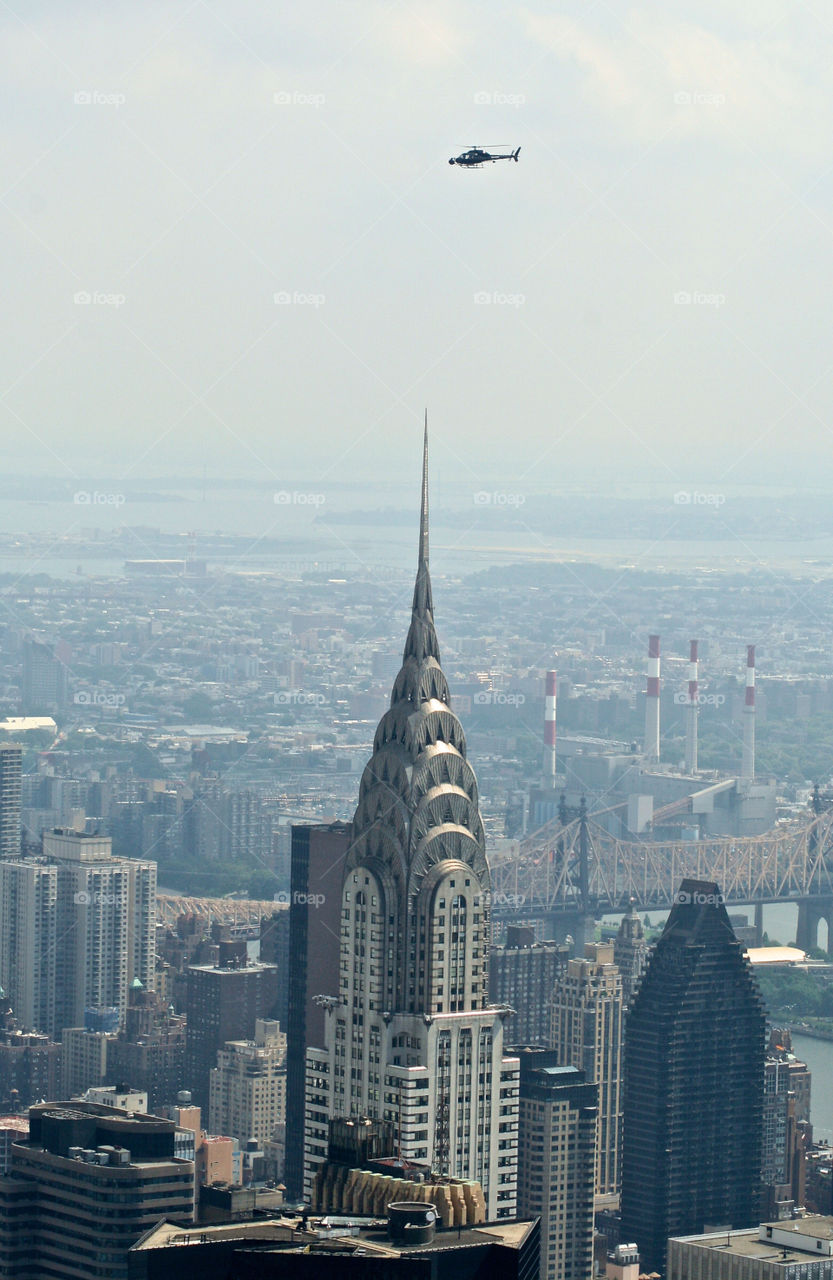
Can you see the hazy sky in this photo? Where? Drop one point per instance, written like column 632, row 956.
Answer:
column 181, row 164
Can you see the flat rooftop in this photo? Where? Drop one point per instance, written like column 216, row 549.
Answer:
column 748, row 1243
column 288, row 1233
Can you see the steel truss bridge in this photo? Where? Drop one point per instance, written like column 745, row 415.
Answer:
column 577, row 868
column 242, row 915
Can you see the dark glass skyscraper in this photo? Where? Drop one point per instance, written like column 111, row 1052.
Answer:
column 693, row 1082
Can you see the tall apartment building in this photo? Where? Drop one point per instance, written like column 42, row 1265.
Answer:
column 556, row 1162
column 85, row 1184
column 76, row 926
column 409, row 1033
column 522, row 975
column 782, row 1142
column 44, row 679
column 630, row 953
column 83, row 1060
column 693, row 1082
column 11, row 757
column 223, row 1002
column 29, row 942
column 248, row 1086
column 318, row 855
column 587, row 1033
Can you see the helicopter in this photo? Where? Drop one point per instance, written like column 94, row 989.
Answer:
column 476, row 157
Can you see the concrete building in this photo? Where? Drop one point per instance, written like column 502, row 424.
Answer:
column 76, row 926
column 44, row 679
column 83, row 1060
column 693, row 1081
column 522, row 975
column 29, row 942
column 409, row 1033
column 782, row 1139
column 11, row 757
column 587, row 1033
column 248, row 1086
column 630, row 954
column 30, row 1068
column 223, row 1003
column 132, row 1101
column 12, row 1129
column 86, row 1183
column 556, row 1162
column 798, row 1249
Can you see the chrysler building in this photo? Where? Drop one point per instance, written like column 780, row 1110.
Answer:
column 410, row 1036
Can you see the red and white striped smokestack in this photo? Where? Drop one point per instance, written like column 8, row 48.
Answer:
column 748, row 767
column 652, row 701
column 692, row 712
column 549, row 728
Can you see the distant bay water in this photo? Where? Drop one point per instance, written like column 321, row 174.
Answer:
column 275, row 529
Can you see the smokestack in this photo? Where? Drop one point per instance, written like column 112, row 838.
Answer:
column 652, row 701
column 549, row 729
column 748, row 767
column 692, row 712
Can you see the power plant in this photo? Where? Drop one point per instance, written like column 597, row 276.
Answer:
column 636, row 794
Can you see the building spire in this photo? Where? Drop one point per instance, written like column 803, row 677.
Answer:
column 423, row 512
column 422, row 639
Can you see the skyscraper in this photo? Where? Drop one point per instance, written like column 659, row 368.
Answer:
column 630, row 953
column 693, row 1082
column 11, row 757
column 87, row 1182
column 587, row 1033
column 522, row 974
column 556, row 1164
column 318, row 857
column 248, row 1086
column 223, row 1003
column 409, row 1035
column 44, row 679
column 76, row 927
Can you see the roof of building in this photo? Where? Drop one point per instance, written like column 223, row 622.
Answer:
column 747, row 1243
column 322, row 1234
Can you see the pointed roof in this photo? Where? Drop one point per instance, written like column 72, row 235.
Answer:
column 422, row 638
column 418, row 799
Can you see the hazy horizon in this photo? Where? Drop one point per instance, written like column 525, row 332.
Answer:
column 234, row 243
